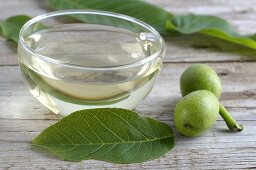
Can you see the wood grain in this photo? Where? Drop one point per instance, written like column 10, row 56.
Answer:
column 22, row 117
column 241, row 15
column 239, row 90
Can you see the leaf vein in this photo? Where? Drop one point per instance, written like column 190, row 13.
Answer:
column 91, row 129
column 68, row 149
column 136, row 152
column 92, row 151
column 106, row 127
column 108, row 150
column 77, row 131
column 127, row 123
column 124, row 151
column 63, row 135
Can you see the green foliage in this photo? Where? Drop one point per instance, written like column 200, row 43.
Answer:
column 211, row 26
column 10, row 28
column 162, row 20
column 141, row 10
column 108, row 134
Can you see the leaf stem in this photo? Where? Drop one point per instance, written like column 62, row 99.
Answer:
column 230, row 121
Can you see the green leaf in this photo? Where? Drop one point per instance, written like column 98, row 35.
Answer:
column 162, row 20
column 211, row 26
column 139, row 9
column 11, row 26
column 189, row 24
column 108, row 134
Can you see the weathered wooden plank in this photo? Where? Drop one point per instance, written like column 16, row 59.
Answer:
column 238, row 79
column 22, row 117
column 241, row 14
column 22, row 156
column 215, row 148
column 16, row 135
column 15, row 130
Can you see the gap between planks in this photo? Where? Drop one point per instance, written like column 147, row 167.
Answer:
column 176, row 62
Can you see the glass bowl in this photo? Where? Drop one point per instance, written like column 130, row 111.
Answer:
column 81, row 59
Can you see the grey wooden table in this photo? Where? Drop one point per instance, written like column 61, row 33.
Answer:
column 22, row 117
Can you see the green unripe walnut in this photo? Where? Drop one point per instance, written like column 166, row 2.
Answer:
column 203, row 77
column 200, row 77
column 196, row 112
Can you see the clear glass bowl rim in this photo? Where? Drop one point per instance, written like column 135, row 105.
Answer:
column 160, row 41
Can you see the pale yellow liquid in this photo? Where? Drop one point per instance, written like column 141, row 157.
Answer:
column 64, row 90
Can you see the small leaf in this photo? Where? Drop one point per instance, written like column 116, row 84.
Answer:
column 11, row 26
column 108, row 134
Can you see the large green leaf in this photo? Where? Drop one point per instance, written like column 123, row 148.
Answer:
column 108, row 134
column 11, row 27
column 210, row 26
column 162, row 20
column 139, row 9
